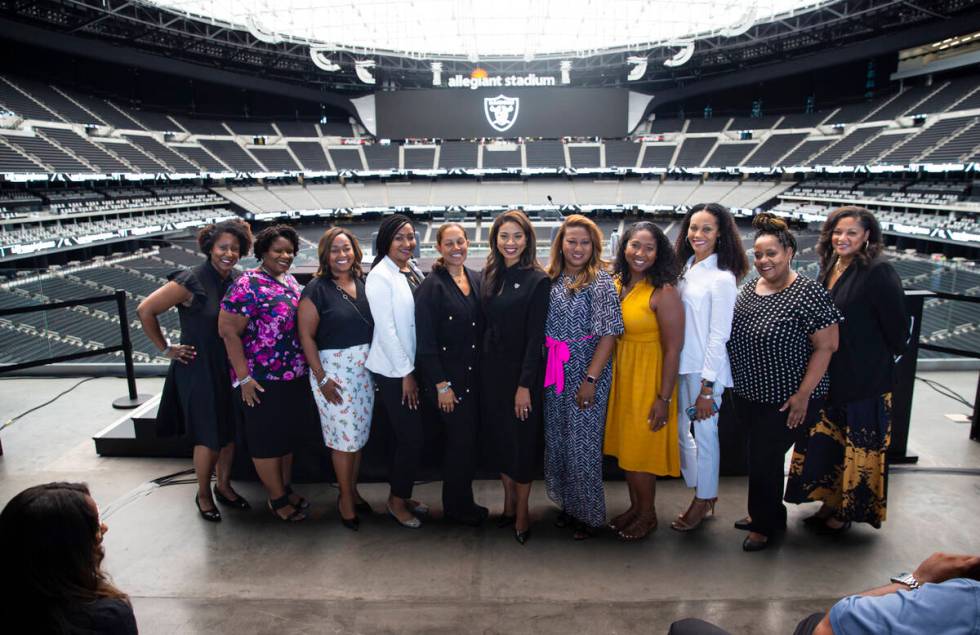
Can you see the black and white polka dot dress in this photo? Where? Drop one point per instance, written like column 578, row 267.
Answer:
column 770, row 343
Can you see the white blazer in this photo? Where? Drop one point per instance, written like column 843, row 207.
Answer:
column 392, row 351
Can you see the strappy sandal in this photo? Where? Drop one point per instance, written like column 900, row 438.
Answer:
column 275, row 505
column 302, row 503
column 689, row 521
column 638, row 529
column 622, row 521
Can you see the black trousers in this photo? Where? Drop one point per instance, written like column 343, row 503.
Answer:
column 408, row 434
column 769, row 440
column 459, row 462
column 694, row 626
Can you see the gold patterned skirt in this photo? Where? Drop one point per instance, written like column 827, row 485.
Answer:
column 843, row 462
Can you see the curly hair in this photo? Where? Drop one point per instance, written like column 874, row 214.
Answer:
column 493, row 277
column 767, row 224
column 52, row 552
column 323, row 253
column 663, row 271
column 208, row 235
column 731, row 256
column 871, row 249
column 590, row 271
column 265, row 238
column 386, row 235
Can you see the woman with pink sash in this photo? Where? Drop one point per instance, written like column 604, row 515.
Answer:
column 584, row 318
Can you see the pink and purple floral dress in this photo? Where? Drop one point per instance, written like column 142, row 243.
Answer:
column 270, row 341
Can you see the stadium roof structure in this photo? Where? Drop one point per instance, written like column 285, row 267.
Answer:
column 254, row 49
column 475, row 30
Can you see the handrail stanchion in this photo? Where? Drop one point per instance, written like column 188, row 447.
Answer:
column 132, row 400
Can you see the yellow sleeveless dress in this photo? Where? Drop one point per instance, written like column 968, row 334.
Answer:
column 637, row 368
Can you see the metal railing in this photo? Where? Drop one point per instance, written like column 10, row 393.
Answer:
column 132, row 399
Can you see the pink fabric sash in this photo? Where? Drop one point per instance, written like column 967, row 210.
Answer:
column 558, row 354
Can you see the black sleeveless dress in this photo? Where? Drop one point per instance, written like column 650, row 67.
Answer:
column 197, row 400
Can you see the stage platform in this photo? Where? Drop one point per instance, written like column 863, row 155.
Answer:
column 252, row 574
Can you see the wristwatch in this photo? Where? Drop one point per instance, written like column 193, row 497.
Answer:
column 907, row 579
column 590, row 379
column 707, row 383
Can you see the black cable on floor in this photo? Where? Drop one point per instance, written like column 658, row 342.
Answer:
column 945, row 391
column 10, row 421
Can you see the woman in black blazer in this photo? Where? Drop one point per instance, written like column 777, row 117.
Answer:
column 843, row 462
column 449, row 330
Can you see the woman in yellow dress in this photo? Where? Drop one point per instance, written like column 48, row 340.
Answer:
column 641, row 425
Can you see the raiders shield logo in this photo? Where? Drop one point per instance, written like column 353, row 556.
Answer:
column 501, row 111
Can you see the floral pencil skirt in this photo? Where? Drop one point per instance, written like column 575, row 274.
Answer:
column 346, row 426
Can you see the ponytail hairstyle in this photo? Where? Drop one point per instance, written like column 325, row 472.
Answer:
column 871, row 249
column 767, row 224
column 440, row 262
column 386, row 235
column 731, row 255
column 323, row 253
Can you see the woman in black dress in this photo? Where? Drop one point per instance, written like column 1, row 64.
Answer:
column 515, row 294
column 843, row 462
column 51, row 547
column 196, row 399
column 784, row 331
column 449, row 329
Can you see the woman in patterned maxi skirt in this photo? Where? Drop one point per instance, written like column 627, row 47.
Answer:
column 583, row 321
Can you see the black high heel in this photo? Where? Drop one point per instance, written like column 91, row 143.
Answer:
column 522, row 536
column 238, row 503
column 351, row 523
column 211, row 515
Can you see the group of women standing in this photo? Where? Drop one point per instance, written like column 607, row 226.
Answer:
column 630, row 363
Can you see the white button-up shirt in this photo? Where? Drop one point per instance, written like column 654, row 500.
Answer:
column 392, row 351
column 709, row 302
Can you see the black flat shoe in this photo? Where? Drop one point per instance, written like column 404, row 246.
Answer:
column 506, row 521
column 824, row 530
column 351, row 523
column 522, row 536
column 211, row 515
column 754, row 545
column 584, row 532
column 238, row 503
column 743, row 524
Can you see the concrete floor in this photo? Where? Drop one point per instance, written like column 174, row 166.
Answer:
column 252, row 574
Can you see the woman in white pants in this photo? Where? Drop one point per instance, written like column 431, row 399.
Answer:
column 711, row 248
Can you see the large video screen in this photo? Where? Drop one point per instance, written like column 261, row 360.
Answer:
column 502, row 112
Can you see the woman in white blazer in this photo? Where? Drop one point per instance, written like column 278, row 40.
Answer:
column 390, row 286
column 711, row 248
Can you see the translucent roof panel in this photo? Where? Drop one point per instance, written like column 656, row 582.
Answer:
column 481, row 29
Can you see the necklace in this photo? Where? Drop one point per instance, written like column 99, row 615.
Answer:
column 350, row 301
column 278, row 278
column 839, row 266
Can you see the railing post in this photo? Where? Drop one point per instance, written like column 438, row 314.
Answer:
column 132, row 400
column 974, row 427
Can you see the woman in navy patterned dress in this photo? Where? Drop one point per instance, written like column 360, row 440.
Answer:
column 583, row 321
